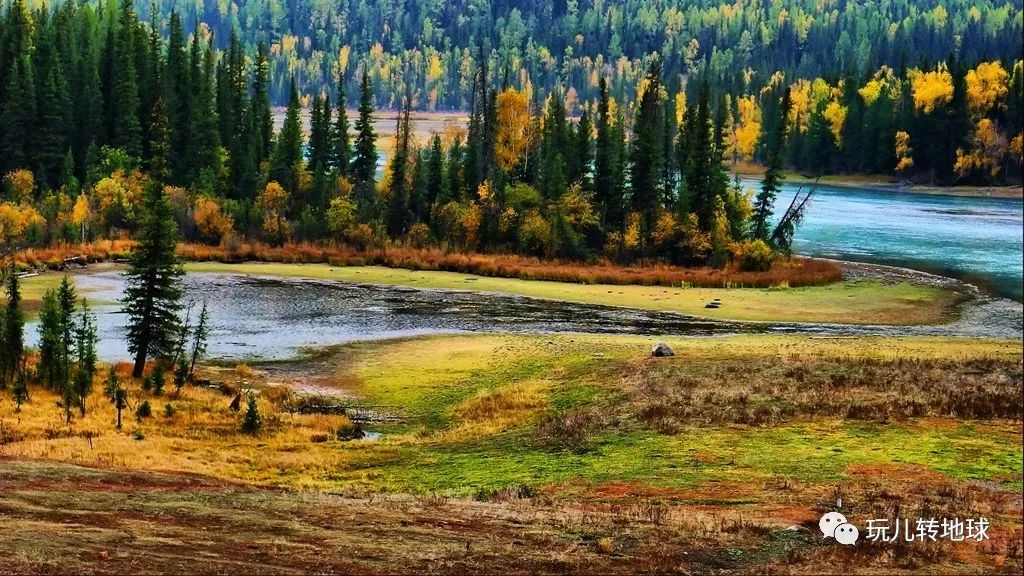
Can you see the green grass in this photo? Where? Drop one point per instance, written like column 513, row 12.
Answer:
column 857, row 302
column 432, row 376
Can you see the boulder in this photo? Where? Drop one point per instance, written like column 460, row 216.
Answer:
column 712, row 305
column 661, row 350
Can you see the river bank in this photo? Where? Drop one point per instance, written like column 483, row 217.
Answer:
column 880, row 183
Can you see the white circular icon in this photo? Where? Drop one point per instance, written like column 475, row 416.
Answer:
column 829, row 522
column 847, row 534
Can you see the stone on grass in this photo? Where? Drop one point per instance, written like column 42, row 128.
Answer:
column 661, row 350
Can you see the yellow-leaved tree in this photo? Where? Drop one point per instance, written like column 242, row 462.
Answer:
column 748, row 127
column 986, row 88
column 904, row 153
column 16, row 220
column 80, row 215
column 211, row 221
column 512, row 133
column 271, row 203
column 985, row 156
column 931, row 89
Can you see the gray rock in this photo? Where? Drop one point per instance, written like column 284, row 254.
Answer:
column 661, row 350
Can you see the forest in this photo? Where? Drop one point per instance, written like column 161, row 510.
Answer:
column 622, row 155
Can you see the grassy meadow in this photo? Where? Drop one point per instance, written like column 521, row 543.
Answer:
column 586, row 438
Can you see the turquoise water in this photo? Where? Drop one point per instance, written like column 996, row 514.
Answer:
column 979, row 240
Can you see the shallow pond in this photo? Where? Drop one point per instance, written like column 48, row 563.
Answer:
column 256, row 318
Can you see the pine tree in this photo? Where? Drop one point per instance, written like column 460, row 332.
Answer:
column 54, row 117
column 773, row 176
column 580, row 171
column 49, row 369
column 398, row 203
column 435, row 172
column 17, row 116
column 178, row 99
column 160, row 145
column 364, row 163
column 111, row 384
column 645, row 161
column 252, row 422
column 285, row 161
column 319, row 134
column 555, row 146
column 153, row 283
column 342, row 153
column 204, row 136
column 85, row 369
column 19, row 390
column 700, row 171
column 123, row 110
column 604, row 151
column 262, row 121
column 199, row 337
column 13, row 328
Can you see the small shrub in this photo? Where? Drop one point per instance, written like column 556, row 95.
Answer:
column 252, row 421
column 144, row 410
column 605, row 545
column 169, row 410
column 418, row 236
column 159, row 380
column 753, row 256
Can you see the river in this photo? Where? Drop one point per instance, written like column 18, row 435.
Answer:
column 257, row 318
column 978, row 240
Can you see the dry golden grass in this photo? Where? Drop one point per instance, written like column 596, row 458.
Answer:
column 54, row 257
column 795, row 272
column 202, row 436
column 494, row 411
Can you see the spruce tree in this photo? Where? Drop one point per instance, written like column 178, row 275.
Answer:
column 364, row 162
column 398, row 203
column 123, row 110
column 160, row 145
column 252, row 422
column 700, row 170
column 178, row 99
column 199, row 337
column 262, row 121
column 342, row 153
column 13, row 328
column 580, row 170
column 645, row 160
column 204, row 137
column 85, row 368
column 153, row 282
column 556, row 148
column 287, row 155
column 773, row 176
column 17, row 116
column 604, row 151
column 435, row 172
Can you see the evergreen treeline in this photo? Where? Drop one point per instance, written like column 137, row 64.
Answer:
column 427, row 48
column 97, row 108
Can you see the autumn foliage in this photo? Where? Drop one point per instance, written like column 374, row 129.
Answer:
column 782, row 272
